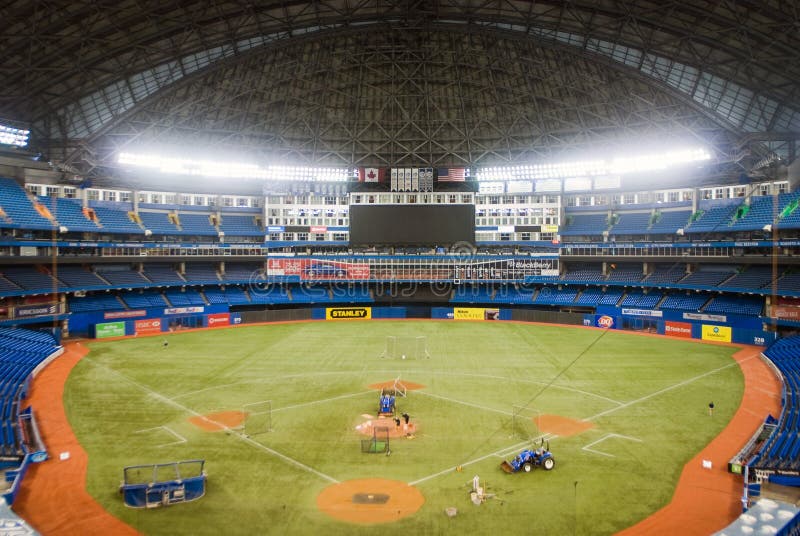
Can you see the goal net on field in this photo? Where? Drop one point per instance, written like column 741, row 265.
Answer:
column 408, row 347
column 257, row 418
column 523, row 422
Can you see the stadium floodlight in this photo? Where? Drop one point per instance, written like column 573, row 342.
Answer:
column 229, row 169
column 595, row 168
column 17, row 137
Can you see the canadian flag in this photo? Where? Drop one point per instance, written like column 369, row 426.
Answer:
column 370, row 175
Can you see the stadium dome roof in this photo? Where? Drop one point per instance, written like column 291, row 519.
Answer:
column 404, row 82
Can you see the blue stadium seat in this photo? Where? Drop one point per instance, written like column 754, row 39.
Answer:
column 19, row 210
column 631, row 223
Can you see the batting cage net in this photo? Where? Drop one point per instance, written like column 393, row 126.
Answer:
column 379, row 442
column 406, row 347
column 524, row 422
column 257, row 418
column 163, row 484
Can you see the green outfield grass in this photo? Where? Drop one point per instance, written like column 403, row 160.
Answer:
column 316, row 375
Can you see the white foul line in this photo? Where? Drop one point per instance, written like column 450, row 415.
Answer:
column 234, row 433
column 470, row 404
column 476, row 460
column 607, row 436
column 660, row 391
column 181, row 439
column 313, row 402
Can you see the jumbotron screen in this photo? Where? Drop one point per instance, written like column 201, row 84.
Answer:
column 411, row 225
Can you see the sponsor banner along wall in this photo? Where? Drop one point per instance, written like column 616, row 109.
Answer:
column 475, row 313
column 112, row 315
column 786, row 309
column 678, row 329
column 25, row 311
column 150, row 325
column 642, row 312
column 109, row 329
column 348, row 313
column 710, row 332
column 219, row 319
column 605, row 322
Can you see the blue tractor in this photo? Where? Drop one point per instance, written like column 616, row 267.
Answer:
column 529, row 459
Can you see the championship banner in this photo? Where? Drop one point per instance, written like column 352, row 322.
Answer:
column 678, row 329
column 150, row 325
column 716, row 333
column 475, row 313
column 109, row 329
column 348, row 313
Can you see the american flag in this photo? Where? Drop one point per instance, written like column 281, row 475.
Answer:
column 451, row 174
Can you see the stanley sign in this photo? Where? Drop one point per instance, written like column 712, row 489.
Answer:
column 348, row 313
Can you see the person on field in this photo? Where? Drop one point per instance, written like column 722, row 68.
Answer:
column 710, row 409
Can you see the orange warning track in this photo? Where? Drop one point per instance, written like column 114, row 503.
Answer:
column 341, row 502
column 53, row 497
column 707, row 500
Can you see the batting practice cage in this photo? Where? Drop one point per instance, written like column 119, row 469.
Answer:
column 524, row 422
column 257, row 418
column 163, row 484
column 406, row 347
column 379, row 442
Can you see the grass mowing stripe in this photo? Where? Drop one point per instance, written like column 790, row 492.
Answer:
column 313, row 402
column 236, row 434
column 660, row 391
column 534, row 382
column 504, row 450
column 478, row 406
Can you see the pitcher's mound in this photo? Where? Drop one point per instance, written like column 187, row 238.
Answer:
column 367, row 427
column 561, row 426
column 370, row 500
column 222, row 420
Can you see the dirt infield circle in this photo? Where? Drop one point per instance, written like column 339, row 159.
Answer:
column 370, row 501
column 410, row 386
column 368, row 427
column 561, row 426
column 216, row 422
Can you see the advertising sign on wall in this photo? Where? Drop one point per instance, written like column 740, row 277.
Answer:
column 109, row 329
column 678, row 329
column 348, row 313
column 151, row 325
column 111, row 315
column 643, row 312
column 475, row 313
column 219, row 319
column 36, row 310
column 716, row 333
column 183, row 310
column 604, row 321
